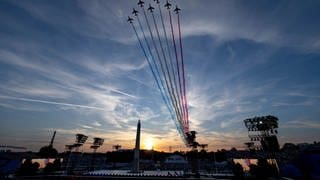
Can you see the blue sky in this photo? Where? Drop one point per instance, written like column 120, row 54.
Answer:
column 76, row 67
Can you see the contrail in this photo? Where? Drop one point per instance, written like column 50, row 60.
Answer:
column 51, row 102
column 123, row 93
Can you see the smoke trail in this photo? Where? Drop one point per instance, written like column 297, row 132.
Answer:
column 152, row 70
column 170, row 57
column 166, row 65
column 158, row 79
column 183, row 75
column 176, row 54
column 159, row 58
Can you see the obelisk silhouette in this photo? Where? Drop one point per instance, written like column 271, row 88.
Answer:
column 137, row 151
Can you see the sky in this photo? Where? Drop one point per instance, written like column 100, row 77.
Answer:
column 76, row 67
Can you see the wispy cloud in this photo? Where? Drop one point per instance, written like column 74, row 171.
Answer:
column 229, row 20
column 97, row 124
column 221, row 140
column 241, row 60
column 303, row 123
column 94, row 19
column 85, row 126
column 306, row 103
column 302, row 95
column 66, row 84
column 22, row 107
column 50, row 102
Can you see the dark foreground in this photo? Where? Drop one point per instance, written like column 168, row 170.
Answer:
column 104, row 177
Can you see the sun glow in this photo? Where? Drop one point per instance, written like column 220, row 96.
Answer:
column 148, row 144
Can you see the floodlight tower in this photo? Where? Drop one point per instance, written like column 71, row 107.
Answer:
column 250, row 145
column 97, row 142
column 69, row 147
column 263, row 129
column 116, row 147
column 203, row 146
column 80, row 140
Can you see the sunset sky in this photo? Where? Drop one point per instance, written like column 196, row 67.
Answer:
column 76, row 67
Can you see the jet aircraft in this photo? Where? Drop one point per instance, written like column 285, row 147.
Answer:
column 177, row 10
column 130, row 19
column 140, row 3
column 167, row 5
column 135, row 12
column 150, row 8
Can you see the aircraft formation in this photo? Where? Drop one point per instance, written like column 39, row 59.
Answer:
column 159, row 37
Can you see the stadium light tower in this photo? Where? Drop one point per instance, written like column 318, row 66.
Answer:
column 116, row 147
column 80, row 140
column 97, row 142
column 263, row 129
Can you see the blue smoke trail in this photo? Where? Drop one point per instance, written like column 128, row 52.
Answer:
column 152, row 70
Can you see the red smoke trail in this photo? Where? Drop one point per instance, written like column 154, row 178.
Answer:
column 177, row 61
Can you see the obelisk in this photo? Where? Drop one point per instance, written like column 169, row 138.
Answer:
column 137, row 150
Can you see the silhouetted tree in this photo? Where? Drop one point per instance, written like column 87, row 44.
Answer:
column 221, row 155
column 289, row 147
column 51, row 167
column 193, row 156
column 253, row 169
column 263, row 170
column 28, row 168
column 47, row 152
column 120, row 156
column 178, row 153
column 203, row 154
column 238, row 171
column 233, row 149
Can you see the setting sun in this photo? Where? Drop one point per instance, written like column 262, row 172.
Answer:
column 148, row 144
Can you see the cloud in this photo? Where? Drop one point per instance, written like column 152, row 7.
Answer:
column 22, row 107
column 110, row 67
column 83, row 58
column 306, row 103
column 85, row 126
column 302, row 95
column 35, row 88
column 94, row 19
column 221, row 140
column 301, row 124
column 96, row 123
column 38, row 64
column 66, row 85
column 272, row 23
